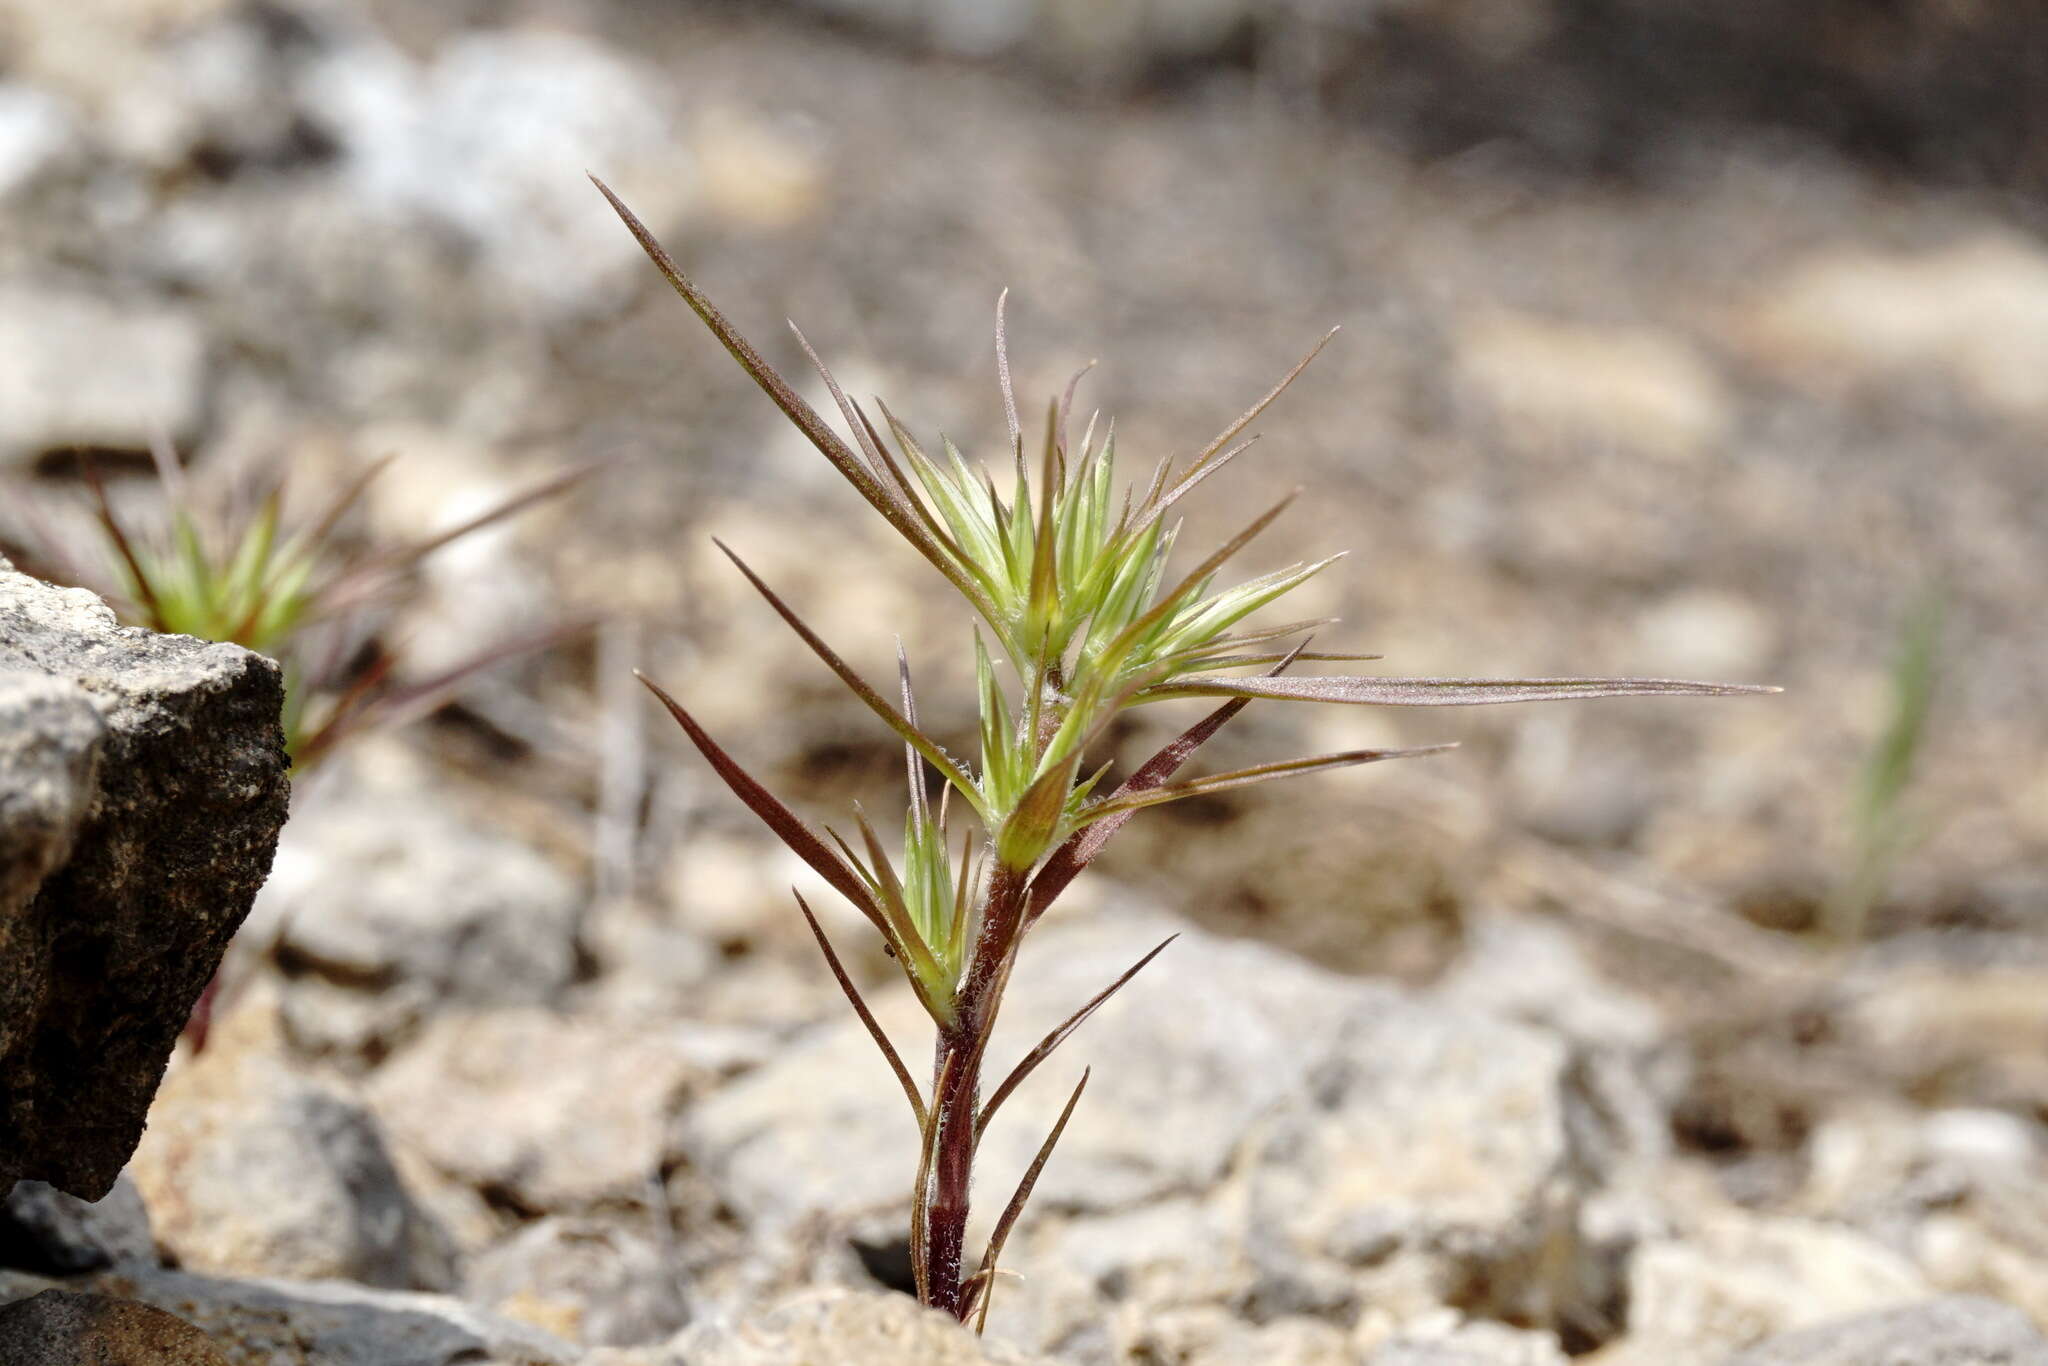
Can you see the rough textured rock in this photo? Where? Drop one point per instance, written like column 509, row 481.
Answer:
column 587, row 1280
column 836, row 1328
column 50, row 736
column 252, row 1169
column 323, row 1323
column 1957, row 1331
column 391, row 908
column 101, row 965
column 45, row 1229
column 65, row 1328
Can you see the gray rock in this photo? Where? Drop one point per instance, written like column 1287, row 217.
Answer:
column 472, row 142
column 596, row 1282
column 101, row 963
column 551, row 1112
column 50, row 738
column 36, row 130
column 77, row 371
column 840, row 1328
column 392, row 907
column 45, row 1229
column 1429, row 1152
column 1208, row 1038
column 65, row 1328
column 1731, row 1279
column 323, row 1323
column 252, row 1169
column 1959, row 1330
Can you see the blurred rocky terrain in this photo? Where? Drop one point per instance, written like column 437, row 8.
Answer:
column 1680, row 339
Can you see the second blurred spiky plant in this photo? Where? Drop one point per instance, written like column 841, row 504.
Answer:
column 225, row 562
column 1881, row 827
column 1070, row 577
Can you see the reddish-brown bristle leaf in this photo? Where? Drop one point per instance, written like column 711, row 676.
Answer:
column 855, row 684
column 1247, row 777
column 1059, row 1036
column 860, row 1008
column 985, row 1277
column 750, row 360
column 1081, row 847
column 1155, row 510
column 1251, row 414
column 1446, row 692
column 780, row 819
column 362, row 582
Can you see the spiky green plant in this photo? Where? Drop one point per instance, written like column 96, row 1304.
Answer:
column 1071, row 577
column 224, row 563
column 1882, row 827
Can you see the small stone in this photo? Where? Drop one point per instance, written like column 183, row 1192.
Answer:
column 1973, row 313
column 1736, row 1279
column 251, row 1169
column 45, row 1229
column 76, row 370
column 1957, row 1331
column 391, row 906
column 553, row 1112
column 323, row 1323
column 1557, row 381
column 840, row 1328
column 596, row 1282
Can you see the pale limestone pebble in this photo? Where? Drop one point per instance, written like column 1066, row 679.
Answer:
column 79, row 370
column 483, row 137
column 1708, row 633
column 38, row 130
column 391, row 903
column 1972, row 313
column 1956, row 1331
column 251, row 1168
column 1447, row 1338
column 556, row 1112
column 841, row 1328
column 599, row 1282
column 1960, row 1190
column 482, row 588
column 757, row 172
column 1531, row 968
column 1430, row 1149
column 1549, row 380
column 117, row 62
column 1735, row 1279
column 819, row 1130
column 1925, row 1019
column 1211, row 1335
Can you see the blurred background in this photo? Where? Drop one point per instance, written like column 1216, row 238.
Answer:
column 1681, row 337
